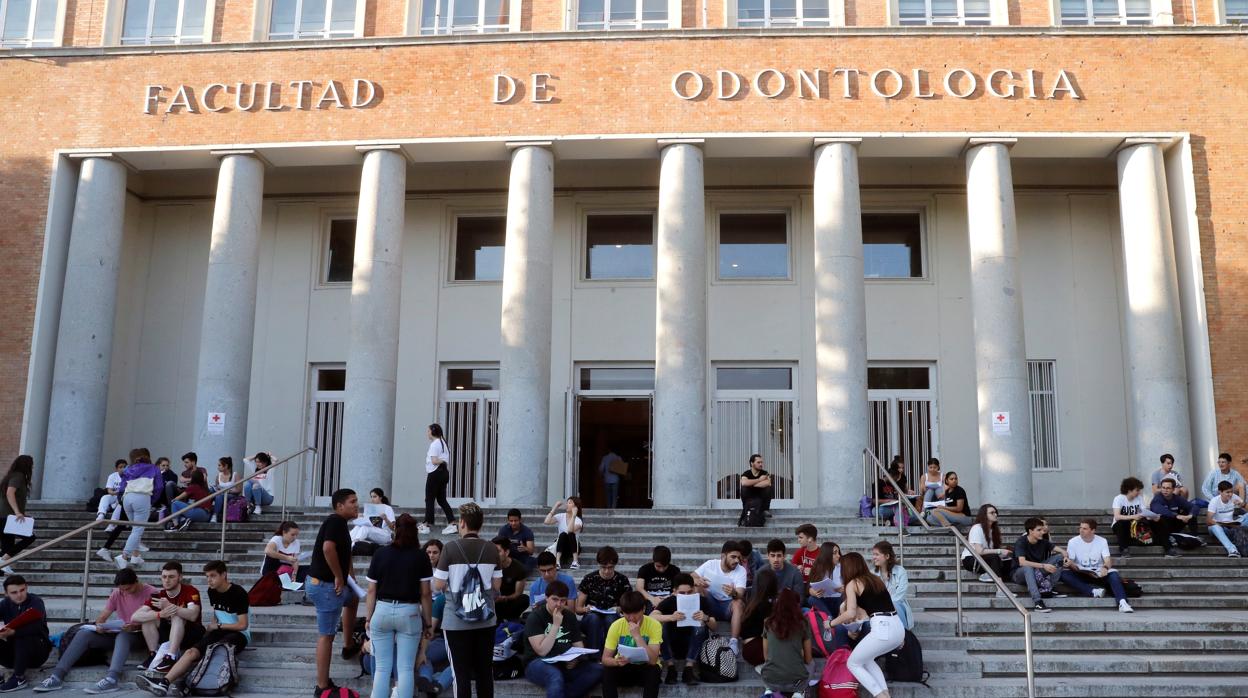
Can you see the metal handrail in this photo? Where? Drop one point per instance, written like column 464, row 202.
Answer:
column 870, row 457
column 961, row 542
column 90, row 527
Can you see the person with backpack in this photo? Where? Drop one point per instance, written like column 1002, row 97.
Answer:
column 227, row 484
column 327, row 586
column 468, row 574
column 437, row 477
column 400, row 606
column 129, row 595
column 138, row 485
column 644, row 635
column 550, row 631
column 867, row 592
column 723, row 580
column 1131, row 516
column 757, row 491
column 27, row 645
column 683, row 641
column 228, row 631
column 896, row 580
column 786, row 647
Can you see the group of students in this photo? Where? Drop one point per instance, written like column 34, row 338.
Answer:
column 169, row 620
column 941, row 500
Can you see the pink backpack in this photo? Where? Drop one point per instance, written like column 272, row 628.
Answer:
column 837, row 680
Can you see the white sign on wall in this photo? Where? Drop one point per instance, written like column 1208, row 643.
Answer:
column 216, row 423
column 1000, row 422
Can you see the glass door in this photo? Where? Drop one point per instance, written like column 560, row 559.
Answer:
column 902, row 416
column 611, row 430
column 323, row 468
column 755, row 411
column 470, row 409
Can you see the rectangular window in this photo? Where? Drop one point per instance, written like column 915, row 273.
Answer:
column 1042, row 389
column 464, row 16
column 340, row 251
column 754, row 378
column 331, row 379
column 619, row 246
column 606, row 378
column 899, row 378
column 753, row 246
column 932, row 13
column 479, row 248
column 892, row 245
column 1107, row 12
column 1237, row 11
column 472, row 379
column 27, row 23
column 311, row 19
column 782, row 13
column 621, row 14
column 161, row 22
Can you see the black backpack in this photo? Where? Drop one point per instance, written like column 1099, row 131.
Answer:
column 717, row 663
column 905, row 664
column 752, row 518
column 93, row 655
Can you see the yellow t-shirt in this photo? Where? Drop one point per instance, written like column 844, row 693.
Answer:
column 617, row 634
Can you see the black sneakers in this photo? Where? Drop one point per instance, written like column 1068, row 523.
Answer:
column 13, row 683
column 690, row 675
column 1041, row 608
column 670, row 678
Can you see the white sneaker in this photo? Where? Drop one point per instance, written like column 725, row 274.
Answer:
column 6, row 569
column 258, row 511
column 423, row 529
column 99, row 516
column 1002, row 594
column 144, row 548
column 121, row 561
column 450, row 529
column 1124, row 607
column 735, row 644
column 985, row 579
column 1098, row 593
column 104, row 555
column 136, row 562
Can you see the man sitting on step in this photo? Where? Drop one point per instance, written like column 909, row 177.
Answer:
column 1089, row 568
column 172, row 615
column 1175, row 512
column 1221, row 517
column 230, row 624
column 1035, row 552
column 26, row 645
column 723, row 582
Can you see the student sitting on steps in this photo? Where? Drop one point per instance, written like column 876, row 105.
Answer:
column 722, row 580
column 1221, row 517
column 1088, row 563
column 173, row 615
column 1130, row 510
column 598, row 597
column 1035, row 552
column 28, row 645
column 640, row 633
column 681, row 643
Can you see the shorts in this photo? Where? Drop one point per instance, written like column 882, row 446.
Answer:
column 191, row 635
column 328, row 604
column 232, row 637
column 720, row 610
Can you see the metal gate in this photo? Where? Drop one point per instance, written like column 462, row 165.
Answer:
column 741, row 427
column 471, row 428
column 904, row 426
column 327, row 438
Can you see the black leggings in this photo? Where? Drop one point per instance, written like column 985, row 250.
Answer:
column 11, row 545
column 114, row 534
column 1001, row 567
column 567, row 546
column 435, row 490
column 471, row 652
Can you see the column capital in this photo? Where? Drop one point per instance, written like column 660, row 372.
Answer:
column 664, row 142
column 102, row 155
column 1159, row 141
column 222, row 154
column 975, row 142
column 516, row 145
column 827, row 141
column 385, row 147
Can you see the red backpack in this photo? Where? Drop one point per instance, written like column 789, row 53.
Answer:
column 819, row 637
column 837, row 680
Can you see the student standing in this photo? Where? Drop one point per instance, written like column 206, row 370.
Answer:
column 327, row 586
column 138, row 482
column 867, row 591
column 25, row 647
column 437, row 477
column 786, row 646
column 636, row 630
column 400, row 606
column 468, row 573
column 14, row 489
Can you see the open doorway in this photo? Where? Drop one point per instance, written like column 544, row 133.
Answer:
column 619, row 425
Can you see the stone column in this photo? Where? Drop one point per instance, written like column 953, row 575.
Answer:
column 223, row 381
column 997, row 311
column 373, row 349
column 524, row 368
column 840, row 323
column 680, row 469
column 84, row 340
column 1154, row 332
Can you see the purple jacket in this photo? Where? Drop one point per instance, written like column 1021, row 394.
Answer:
column 139, row 471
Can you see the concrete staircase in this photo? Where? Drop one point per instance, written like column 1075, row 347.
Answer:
column 1185, row 639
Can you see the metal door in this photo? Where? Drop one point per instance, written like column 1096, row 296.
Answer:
column 471, row 428
column 741, row 427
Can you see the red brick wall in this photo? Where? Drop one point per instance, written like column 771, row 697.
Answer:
column 1170, row 83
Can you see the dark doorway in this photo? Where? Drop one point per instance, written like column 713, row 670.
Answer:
column 619, row 425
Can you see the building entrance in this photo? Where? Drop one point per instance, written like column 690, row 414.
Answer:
column 611, row 428
column 903, row 416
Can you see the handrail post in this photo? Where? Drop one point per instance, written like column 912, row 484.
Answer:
column 86, row 574
column 957, row 575
column 285, row 490
column 901, row 530
column 1031, row 670
column 225, row 507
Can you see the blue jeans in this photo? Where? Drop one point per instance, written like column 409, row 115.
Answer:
column 1027, row 575
column 329, row 605
column 561, row 682
column 1076, row 581
column 395, row 625
column 594, row 629
column 686, row 642
column 138, row 507
column 1219, row 532
column 435, row 656
column 613, row 493
column 196, row 514
column 257, row 495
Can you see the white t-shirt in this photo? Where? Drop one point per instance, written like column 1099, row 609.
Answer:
column 977, row 536
column 561, row 520
column 437, row 449
column 387, row 513
column 1088, row 556
column 292, row 549
column 114, row 481
column 1224, row 512
column 1129, row 507
column 261, row 480
column 713, row 572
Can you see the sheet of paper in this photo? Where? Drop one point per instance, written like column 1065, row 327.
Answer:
column 371, row 510
column 305, row 556
column 225, row 617
column 934, row 504
column 25, row 528
column 356, row 588
column 289, row 584
column 604, row 611
column 572, row 653
column 827, row 586
column 112, row 626
column 634, row 655
column 688, row 604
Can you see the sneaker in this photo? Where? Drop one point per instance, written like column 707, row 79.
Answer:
column 104, row 555
column 121, row 561
column 144, row 548
column 451, row 529
column 213, row 519
column 320, row 690
column 423, row 529
column 1041, row 608
column 1124, row 554
column 185, row 525
column 155, row 686
column 1124, row 607
column 1233, row 553
column 104, row 685
column 165, row 665
column 1098, row 593
column 1173, row 552
column 690, row 676
column 147, row 663
column 49, row 684
column 7, row 570
column 985, row 579
column 425, row 687
column 258, row 510
column 735, row 645
column 1058, row 595
column 575, row 565
column 136, row 562
column 13, row 683
column 99, row 516
column 670, row 679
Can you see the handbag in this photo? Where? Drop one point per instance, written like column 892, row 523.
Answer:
column 619, row 466
column 1142, row 532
